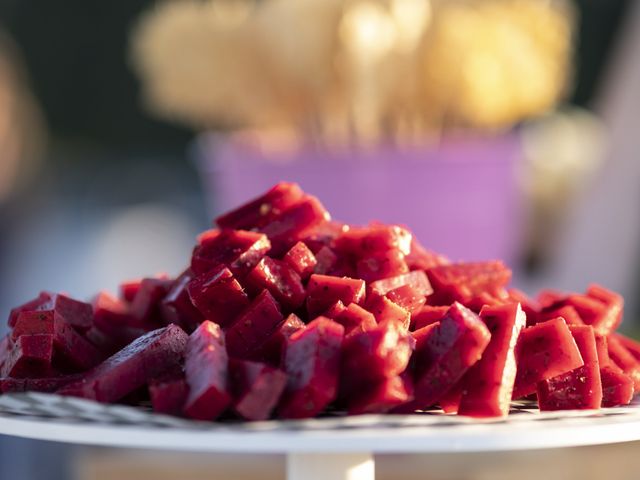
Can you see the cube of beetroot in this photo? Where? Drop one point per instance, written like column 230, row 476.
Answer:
column 301, row 259
column 176, row 307
column 568, row 312
column 256, row 388
column 408, row 290
column 74, row 312
column 612, row 316
column 463, row 281
column 427, row 315
column 334, row 310
column 381, row 352
column 381, row 396
column 112, row 322
column 169, row 393
column 43, row 300
column 29, row 356
column 420, row 258
column 378, row 265
column 580, row 388
column 488, row 385
column 253, row 327
column 262, row 210
column 272, row 352
column 355, row 319
column 218, row 295
column 323, row 291
column 129, row 289
column 280, row 280
column 323, row 235
column 386, row 311
column 73, row 352
column 544, row 351
column 445, row 353
column 129, row 369
column 237, row 250
column 145, row 306
column 326, row 261
column 312, row 364
column 293, row 224
column 617, row 387
column 621, row 357
column 207, row 371
column 362, row 242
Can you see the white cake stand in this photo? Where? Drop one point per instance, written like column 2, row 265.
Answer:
column 338, row 448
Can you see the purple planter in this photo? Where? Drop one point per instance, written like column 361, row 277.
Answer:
column 459, row 198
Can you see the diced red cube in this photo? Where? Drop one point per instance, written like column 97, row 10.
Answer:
column 544, row 351
column 445, row 353
column 463, row 281
column 617, row 387
column 256, row 388
column 207, row 372
column 355, row 319
column 381, row 396
column 292, row 224
column 362, row 242
column 408, row 290
column 382, row 352
column 238, row 250
column 301, row 259
column 147, row 357
column 176, row 307
column 218, row 295
column 145, row 306
column 386, row 311
column 312, row 364
column 379, row 265
column 580, row 388
column 488, row 385
column 280, row 280
column 567, row 312
column 427, row 315
column 262, row 210
column 129, row 289
column 274, row 348
column 168, row 394
column 29, row 356
column 326, row 261
column 621, row 357
column 253, row 327
column 42, row 301
column 323, row 291
column 73, row 351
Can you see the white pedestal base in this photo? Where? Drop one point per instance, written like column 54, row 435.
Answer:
column 334, row 466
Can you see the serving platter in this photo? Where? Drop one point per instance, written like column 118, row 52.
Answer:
column 333, row 446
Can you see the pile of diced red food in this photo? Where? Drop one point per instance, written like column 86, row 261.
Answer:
column 283, row 313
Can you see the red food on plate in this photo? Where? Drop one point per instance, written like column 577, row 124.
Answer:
column 580, row 388
column 446, row 352
column 169, row 393
column 381, row 396
column 488, row 385
column 280, row 280
column 253, row 327
column 206, row 368
column 355, row 319
column 257, row 387
column 323, row 291
column 28, row 356
column 312, row 364
column 273, row 350
column 177, row 308
column 301, row 259
column 218, row 295
column 544, row 351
